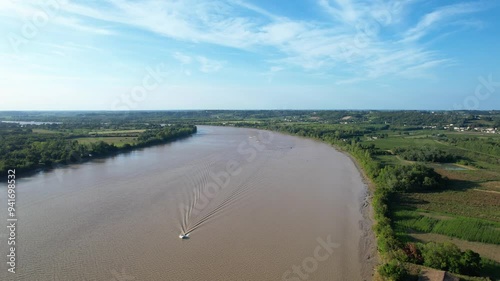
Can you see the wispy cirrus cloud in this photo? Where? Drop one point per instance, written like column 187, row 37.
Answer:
column 344, row 11
column 209, row 65
column 203, row 63
column 359, row 39
column 79, row 25
column 440, row 16
column 182, row 58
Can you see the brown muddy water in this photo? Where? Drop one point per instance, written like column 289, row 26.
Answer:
column 256, row 205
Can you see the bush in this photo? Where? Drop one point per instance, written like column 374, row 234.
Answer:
column 386, row 240
column 470, row 263
column 413, row 253
column 393, row 271
column 410, row 178
column 426, row 154
column 448, row 257
column 444, row 256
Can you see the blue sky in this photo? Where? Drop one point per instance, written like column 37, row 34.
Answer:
column 236, row 54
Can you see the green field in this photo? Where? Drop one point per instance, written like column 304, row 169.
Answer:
column 404, row 141
column 429, row 185
column 113, row 132
column 467, row 208
column 116, row 137
column 465, row 228
column 44, row 131
column 118, row 141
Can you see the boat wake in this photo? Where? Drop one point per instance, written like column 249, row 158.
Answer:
column 202, row 209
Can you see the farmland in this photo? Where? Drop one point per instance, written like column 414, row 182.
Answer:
column 431, row 182
column 466, row 211
column 464, row 207
column 44, row 146
column 118, row 141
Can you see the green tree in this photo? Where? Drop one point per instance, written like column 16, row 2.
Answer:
column 393, row 271
column 445, row 256
column 470, row 263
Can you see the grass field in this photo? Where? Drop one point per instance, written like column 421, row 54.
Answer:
column 469, row 202
column 110, row 132
column 44, row 131
column 485, row 250
column 116, row 137
column 466, row 228
column 466, row 211
column 131, row 132
column 405, row 141
column 118, row 141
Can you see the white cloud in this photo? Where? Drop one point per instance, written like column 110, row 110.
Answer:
column 203, row 63
column 182, row 58
column 343, row 10
column 209, row 65
column 341, row 44
column 74, row 23
column 273, row 70
column 431, row 20
column 280, row 33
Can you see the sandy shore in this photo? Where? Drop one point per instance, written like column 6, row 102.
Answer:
column 368, row 244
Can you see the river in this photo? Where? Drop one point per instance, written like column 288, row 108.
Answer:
column 256, row 205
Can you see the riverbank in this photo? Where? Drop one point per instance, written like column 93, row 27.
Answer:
column 46, row 154
column 392, row 181
column 368, row 244
column 368, row 254
column 285, row 205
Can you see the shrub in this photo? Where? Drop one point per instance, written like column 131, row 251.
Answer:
column 425, row 154
column 444, row 256
column 470, row 263
column 393, row 271
column 410, row 178
column 447, row 256
column 413, row 253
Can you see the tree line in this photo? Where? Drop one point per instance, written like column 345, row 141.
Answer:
column 398, row 119
column 426, row 154
column 392, row 181
column 25, row 151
